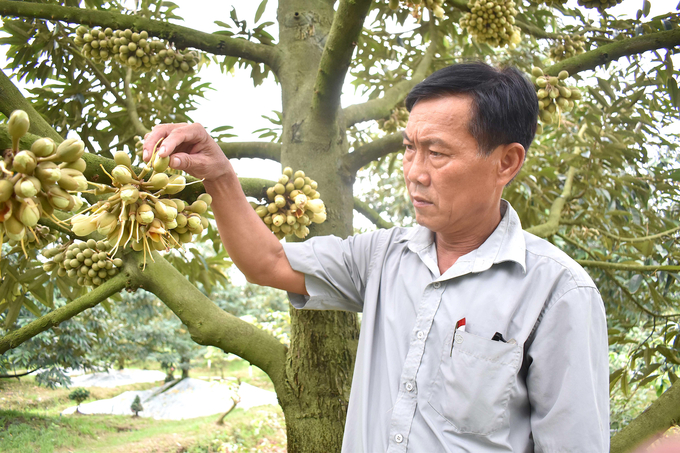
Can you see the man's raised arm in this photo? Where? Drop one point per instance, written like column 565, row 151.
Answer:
column 250, row 244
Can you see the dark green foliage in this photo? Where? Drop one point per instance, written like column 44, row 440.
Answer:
column 79, row 395
column 136, row 406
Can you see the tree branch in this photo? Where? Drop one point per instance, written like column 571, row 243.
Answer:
column 365, row 154
column 610, row 52
column 639, row 239
column 253, row 150
column 97, row 72
column 380, row 108
column 552, row 225
column 181, row 36
column 336, row 57
column 131, row 106
column 11, row 99
column 646, row 427
column 371, row 214
column 18, row 375
column 207, row 323
column 68, row 311
column 628, row 267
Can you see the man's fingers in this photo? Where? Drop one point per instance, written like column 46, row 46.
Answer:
column 186, row 135
column 158, row 132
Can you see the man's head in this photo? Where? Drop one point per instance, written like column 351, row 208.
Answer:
column 464, row 142
column 504, row 104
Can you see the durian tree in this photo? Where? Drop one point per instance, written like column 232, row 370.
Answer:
column 600, row 180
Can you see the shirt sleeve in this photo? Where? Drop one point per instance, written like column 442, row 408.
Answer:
column 335, row 270
column 568, row 375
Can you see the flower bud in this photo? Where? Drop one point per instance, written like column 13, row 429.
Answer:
column 6, row 190
column 181, row 220
column 83, row 225
column 122, row 158
column 48, row 172
column 18, row 124
column 15, row 229
column 82, row 183
column 176, row 184
column 278, row 220
column 299, row 174
column 205, row 222
column 280, row 201
column 160, row 164
column 121, row 174
column 43, row 147
column 271, row 194
column 262, row 211
column 199, row 207
column 79, row 165
column 283, row 179
column 267, row 219
column 316, row 206
column 291, row 220
column 70, row 150
column 301, row 201
column 165, row 212
column 286, row 229
column 288, row 172
column 207, row 198
column 27, row 187
column 279, row 188
column 24, row 162
column 106, row 222
column 129, row 194
column 193, row 221
column 171, row 225
column 319, row 217
column 67, row 182
column 156, row 230
column 159, row 181
column 272, row 208
column 186, row 237
column 60, row 199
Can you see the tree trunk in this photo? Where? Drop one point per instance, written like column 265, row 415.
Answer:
column 323, row 344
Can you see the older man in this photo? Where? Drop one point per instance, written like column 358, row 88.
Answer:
column 476, row 336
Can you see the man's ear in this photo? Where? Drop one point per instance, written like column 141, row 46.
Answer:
column 510, row 162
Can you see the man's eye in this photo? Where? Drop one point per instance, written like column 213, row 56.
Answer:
column 435, row 154
column 408, row 147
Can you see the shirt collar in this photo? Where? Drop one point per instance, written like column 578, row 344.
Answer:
column 506, row 243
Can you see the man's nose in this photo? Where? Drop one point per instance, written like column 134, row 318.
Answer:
column 417, row 170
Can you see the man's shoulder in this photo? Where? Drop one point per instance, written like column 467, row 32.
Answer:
column 542, row 253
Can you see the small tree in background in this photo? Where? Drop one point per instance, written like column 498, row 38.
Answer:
column 136, row 406
column 79, row 395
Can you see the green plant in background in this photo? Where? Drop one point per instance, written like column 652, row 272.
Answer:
column 136, row 406
column 79, row 395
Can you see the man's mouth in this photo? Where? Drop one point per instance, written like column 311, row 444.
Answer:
column 419, row 202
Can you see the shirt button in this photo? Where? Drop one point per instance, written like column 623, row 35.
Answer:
column 409, row 386
column 436, row 285
column 399, row 438
column 420, row 335
column 459, row 339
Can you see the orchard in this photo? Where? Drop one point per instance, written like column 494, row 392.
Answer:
column 85, row 219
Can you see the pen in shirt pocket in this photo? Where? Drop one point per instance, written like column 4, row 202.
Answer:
column 460, row 325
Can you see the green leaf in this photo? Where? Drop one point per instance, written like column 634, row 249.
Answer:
column 260, row 10
column 624, row 385
column 634, row 283
column 647, row 380
column 30, row 306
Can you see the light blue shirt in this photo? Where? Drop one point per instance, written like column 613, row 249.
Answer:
column 421, row 386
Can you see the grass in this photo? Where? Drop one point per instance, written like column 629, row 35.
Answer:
column 30, row 421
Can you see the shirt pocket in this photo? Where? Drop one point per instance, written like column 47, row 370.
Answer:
column 472, row 387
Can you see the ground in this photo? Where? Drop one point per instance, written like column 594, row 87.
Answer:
column 30, row 421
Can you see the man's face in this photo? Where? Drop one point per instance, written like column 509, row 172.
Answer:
column 454, row 190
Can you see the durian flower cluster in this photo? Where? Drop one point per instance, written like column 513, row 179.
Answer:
column 35, row 182
column 417, row 5
column 492, row 22
column 599, row 4
column 567, row 46
column 133, row 49
column 554, row 96
column 397, row 120
column 140, row 212
column 294, row 204
column 88, row 262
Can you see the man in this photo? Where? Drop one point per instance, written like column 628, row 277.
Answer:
column 476, row 336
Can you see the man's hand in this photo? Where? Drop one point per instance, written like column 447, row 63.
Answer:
column 191, row 148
